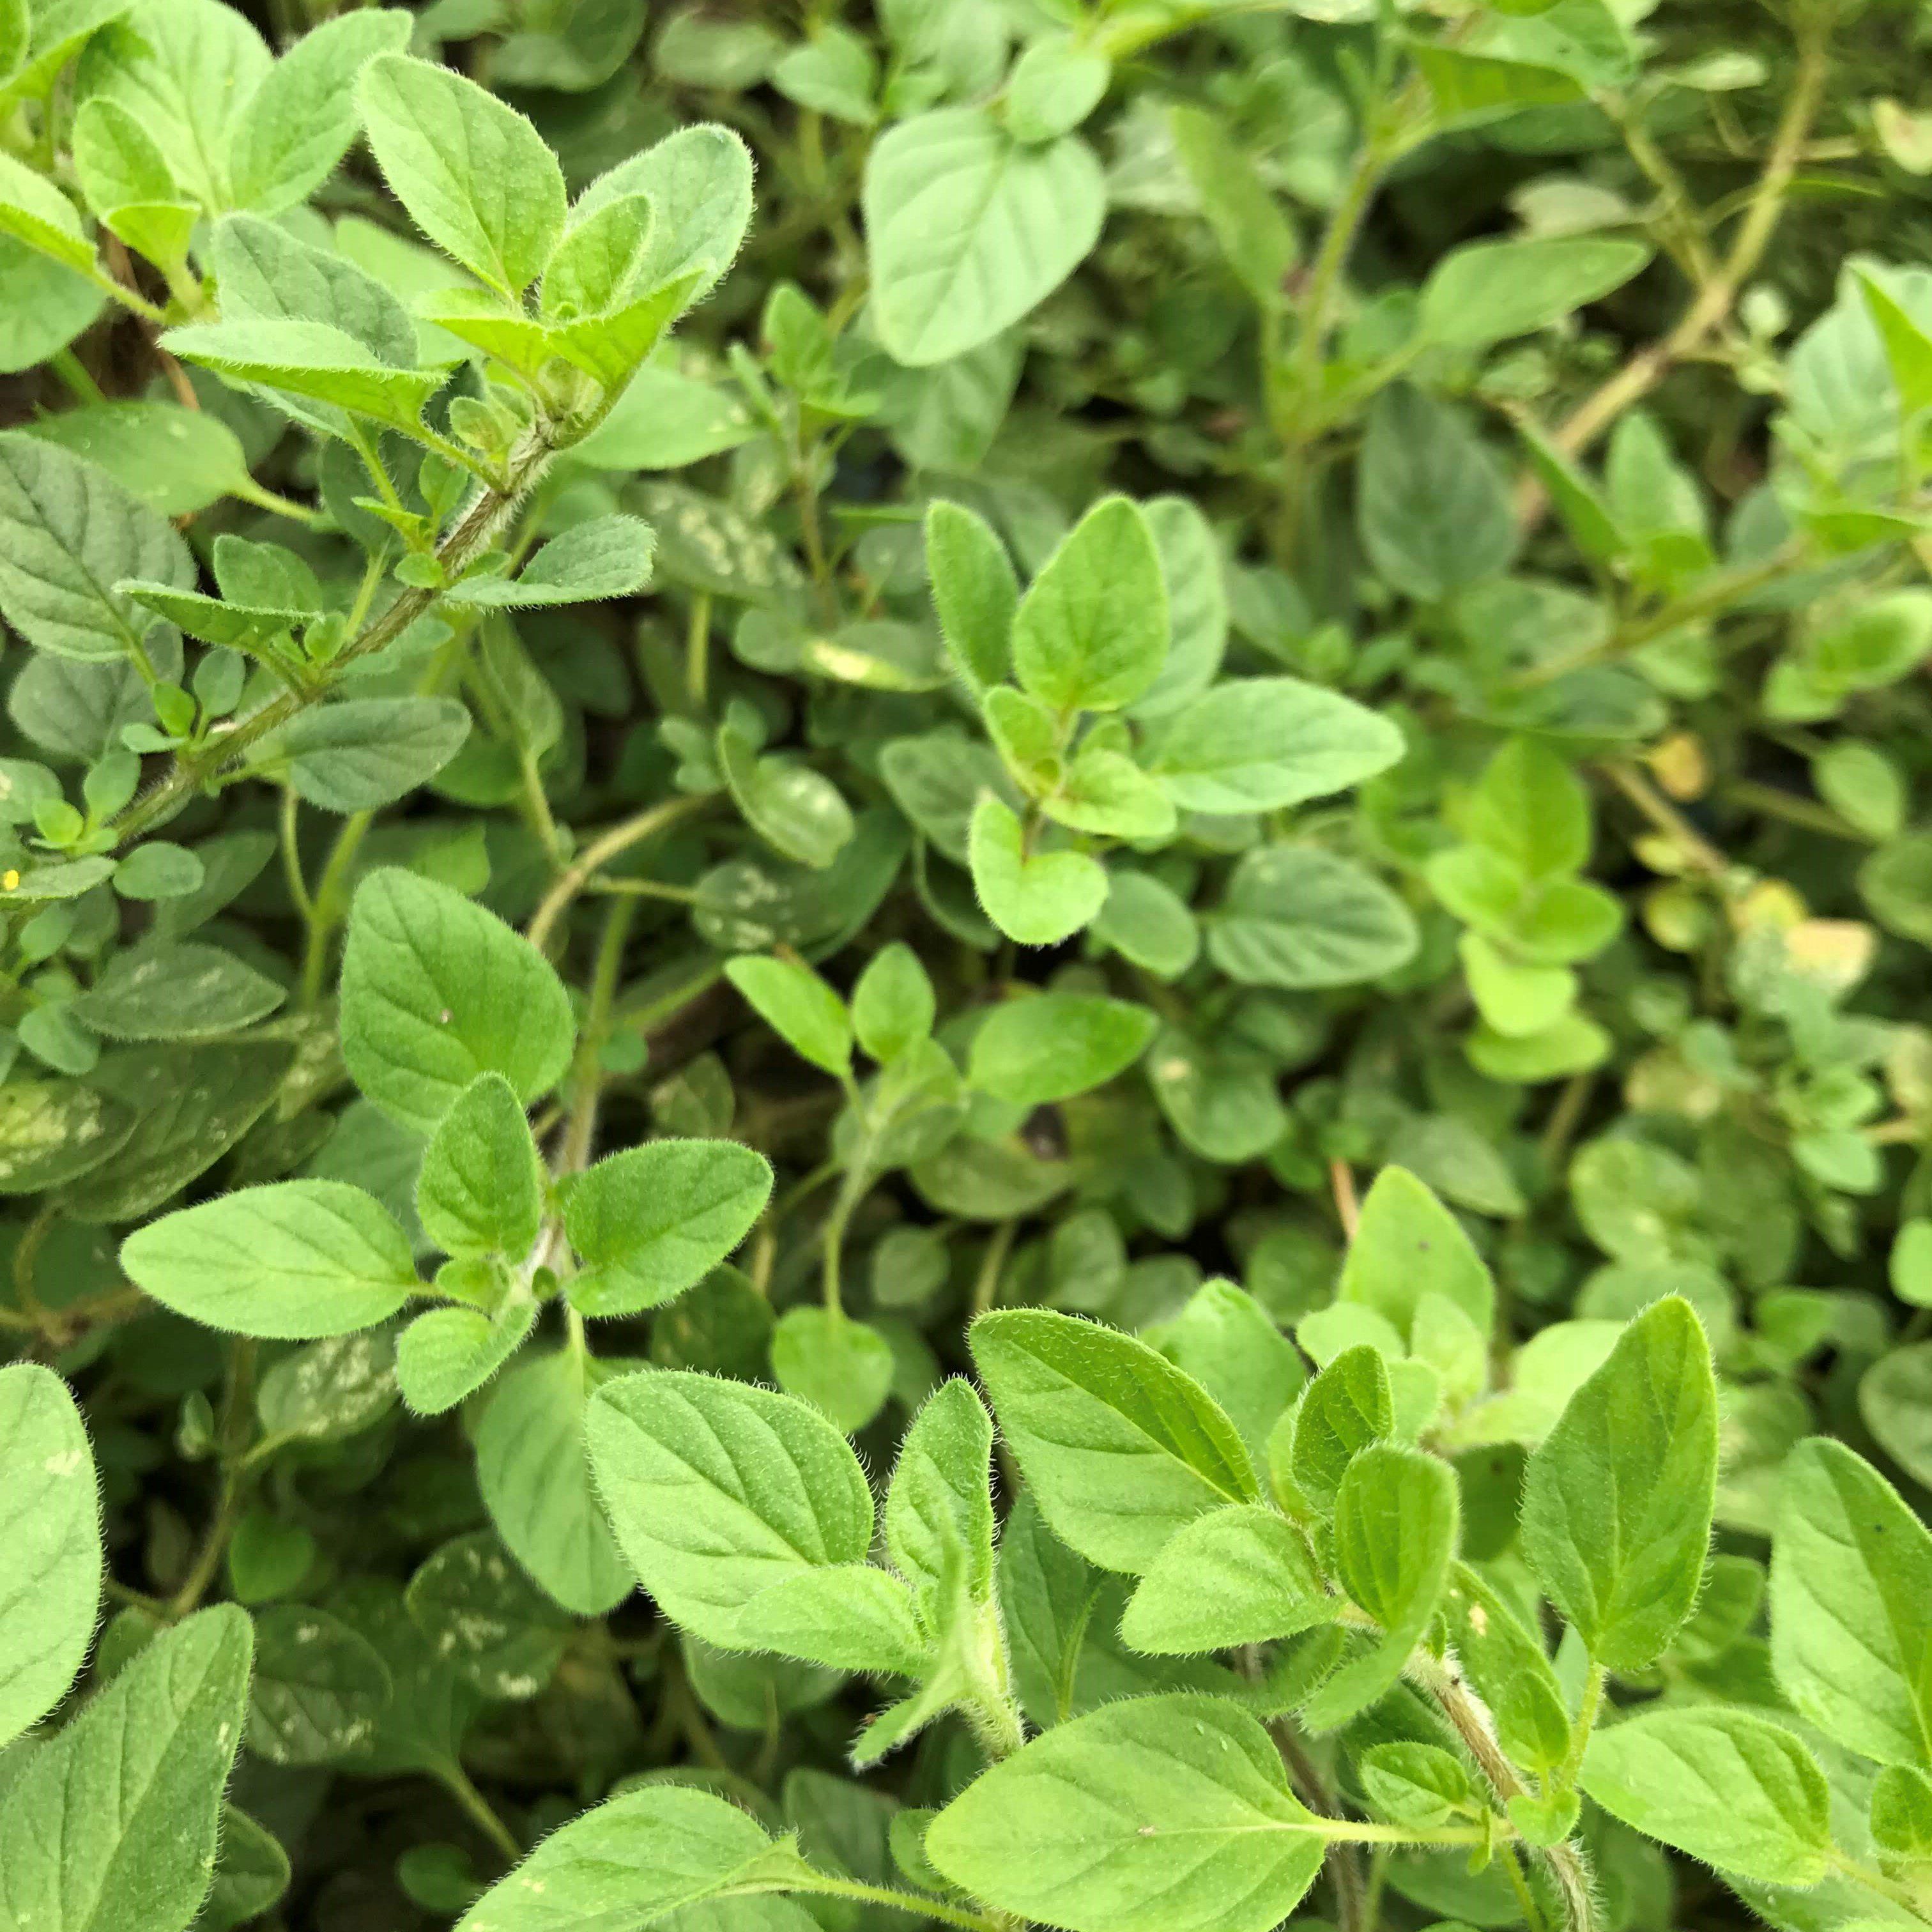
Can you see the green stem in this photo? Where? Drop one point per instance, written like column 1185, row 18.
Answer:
column 992, row 1265
column 833, row 1239
column 620, row 837
column 292, row 865
column 455, row 1780
column 919, row 1904
column 236, row 1405
column 1885, row 1888
column 1802, row 812
column 323, row 911
column 1592, row 1702
column 581, row 1133
column 698, row 652
column 475, row 532
column 73, row 372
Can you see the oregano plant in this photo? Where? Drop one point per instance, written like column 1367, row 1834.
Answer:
column 961, row 965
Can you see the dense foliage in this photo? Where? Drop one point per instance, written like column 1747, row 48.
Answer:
column 964, row 964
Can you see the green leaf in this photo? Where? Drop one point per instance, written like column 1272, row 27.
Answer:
column 1347, row 1407
column 1850, row 1569
column 1255, row 235
column 967, row 228
column 290, row 1261
column 299, row 122
column 191, row 1104
column 1397, row 1521
column 319, row 1689
column 797, row 811
column 717, row 1490
column 1148, row 924
column 1507, row 1668
column 1091, row 633
column 1055, row 84
column 589, row 563
column 266, row 274
column 849, row 1616
column 1157, row 1814
column 482, row 1183
column 939, row 1510
column 178, row 991
column 1531, row 807
column 444, row 1357
column 1297, row 917
column 33, row 211
column 1732, row 1788
column 482, row 1615
column 315, row 360
column 174, row 460
column 113, row 1823
column 627, row 1862
column 1229, row 1344
column 1258, row 744
column 1893, row 1400
column 251, row 1873
column 533, row 1467
column 360, row 753
column 479, row 180
column 1120, row 1447
column 1038, row 898
column 1485, row 292
column 1408, row 1245
column 50, row 1594
column 893, row 1005
column 435, row 991
column 975, row 594
column 653, row 1221
column 1032, row 1051
column 1431, row 502
column 186, row 68
column 1237, row 1576
column 698, row 181
column 799, row 1007
column 330, row 1389
column 67, row 533
column 843, row 1368
column 1618, row 1499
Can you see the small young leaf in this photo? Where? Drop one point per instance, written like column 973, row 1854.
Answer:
column 291, row 1261
column 892, row 1005
column 1396, row 1521
column 975, row 593
column 939, row 1511
column 844, row 1368
column 1344, row 1409
column 1408, row 1245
